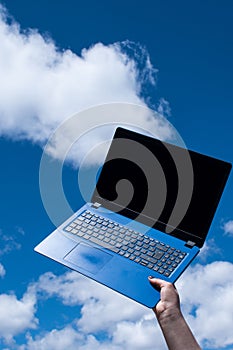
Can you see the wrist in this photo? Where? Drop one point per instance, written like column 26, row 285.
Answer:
column 170, row 315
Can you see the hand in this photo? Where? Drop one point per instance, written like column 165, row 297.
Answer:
column 177, row 333
column 169, row 304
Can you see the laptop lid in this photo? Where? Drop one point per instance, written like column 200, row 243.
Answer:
column 162, row 185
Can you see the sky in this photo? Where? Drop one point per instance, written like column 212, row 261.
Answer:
column 60, row 58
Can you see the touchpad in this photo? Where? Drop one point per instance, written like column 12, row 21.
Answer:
column 88, row 258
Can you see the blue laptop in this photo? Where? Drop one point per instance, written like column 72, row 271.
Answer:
column 150, row 213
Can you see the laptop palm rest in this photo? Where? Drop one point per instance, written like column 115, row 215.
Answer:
column 88, row 258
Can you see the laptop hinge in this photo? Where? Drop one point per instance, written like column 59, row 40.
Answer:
column 96, row 205
column 190, row 244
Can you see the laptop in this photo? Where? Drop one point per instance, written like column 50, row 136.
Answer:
column 150, row 213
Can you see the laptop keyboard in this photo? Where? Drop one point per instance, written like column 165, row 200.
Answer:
column 126, row 242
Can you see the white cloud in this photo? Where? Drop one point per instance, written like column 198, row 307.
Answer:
column 17, row 315
column 67, row 338
column 127, row 324
column 228, row 228
column 128, row 336
column 8, row 243
column 2, row 270
column 138, row 335
column 209, row 249
column 101, row 307
column 206, row 295
column 41, row 85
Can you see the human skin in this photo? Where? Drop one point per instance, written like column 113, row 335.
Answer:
column 176, row 331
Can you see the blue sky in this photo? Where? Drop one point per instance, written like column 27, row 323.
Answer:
column 173, row 56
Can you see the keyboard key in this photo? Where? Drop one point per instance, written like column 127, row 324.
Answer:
column 119, row 245
column 161, row 247
column 80, row 233
column 146, row 246
column 161, row 270
column 167, row 273
column 149, row 258
column 132, row 257
column 100, row 237
column 152, row 249
column 158, row 254
column 181, row 256
column 77, row 221
column 150, row 253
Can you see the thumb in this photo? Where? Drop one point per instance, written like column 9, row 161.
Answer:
column 156, row 283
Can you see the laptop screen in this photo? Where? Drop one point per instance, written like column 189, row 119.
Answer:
column 161, row 185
